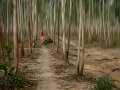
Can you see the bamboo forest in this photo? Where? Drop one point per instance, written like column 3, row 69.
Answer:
column 59, row 44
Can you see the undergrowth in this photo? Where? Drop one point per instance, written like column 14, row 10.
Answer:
column 47, row 40
column 104, row 83
column 9, row 79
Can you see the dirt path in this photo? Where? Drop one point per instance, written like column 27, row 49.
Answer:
column 47, row 68
column 42, row 71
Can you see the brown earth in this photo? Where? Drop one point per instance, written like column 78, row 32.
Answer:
column 98, row 62
column 39, row 70
column 46, row 69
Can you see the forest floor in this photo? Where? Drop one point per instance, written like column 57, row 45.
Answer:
column 46, row 69
column 39, row 68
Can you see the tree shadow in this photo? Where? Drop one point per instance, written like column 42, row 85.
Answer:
column 59, row 68
column 69, row 81
column 115, row 69
column 87, row 77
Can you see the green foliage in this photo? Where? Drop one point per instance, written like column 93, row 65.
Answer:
column 104, row 83
column 47, row 40
column 8, row 58
column 4, row 81
column 2, row 67
column 10, row 79
column 13, row 80
column 7, row 66
column 19, row 80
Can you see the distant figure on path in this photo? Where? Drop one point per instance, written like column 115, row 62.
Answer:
column 41, row 37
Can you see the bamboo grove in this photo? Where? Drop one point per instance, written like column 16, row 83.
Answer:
column 88, row 22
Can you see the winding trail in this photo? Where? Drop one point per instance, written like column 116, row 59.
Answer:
column 43, row 72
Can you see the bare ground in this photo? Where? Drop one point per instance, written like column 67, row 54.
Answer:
column 47, row 71
column 39, row 70
column 98, row 62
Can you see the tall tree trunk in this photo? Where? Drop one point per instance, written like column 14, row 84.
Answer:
column 7, row 22
column 58, row 41
column 80, row 63
column 63, row 29
column 68, row 42
column 89, row 27
column 82, row 60
column 34, row 21
column 109, row 29
column 21, row 28
column 15, row 36
column 103, row 24
column 54, row 21
column 29, row 35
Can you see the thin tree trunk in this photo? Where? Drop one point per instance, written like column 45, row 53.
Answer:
column 58, row 38
column 7, row 22
column 21, row 29
column 82, row 60
column 15, row 36
column 109, row 29
column 58, row 41
column 54, row 21
column 29, row 35
column 103, row 26
column 34, row 21
column 70, row 14
column 63, row 29
column 80, row 63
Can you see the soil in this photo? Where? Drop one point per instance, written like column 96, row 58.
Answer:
column 39, row 69
column 98, row 62
column 46, row 69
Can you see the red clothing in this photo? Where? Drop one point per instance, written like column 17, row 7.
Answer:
column 41, row 34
